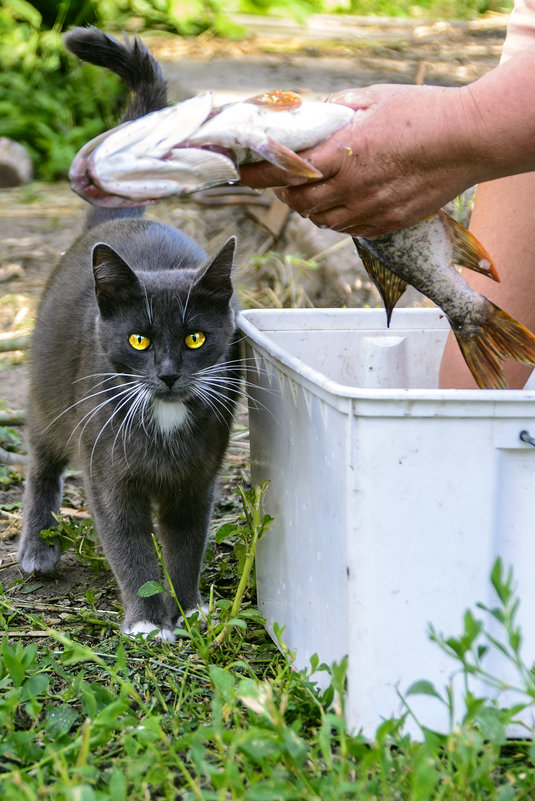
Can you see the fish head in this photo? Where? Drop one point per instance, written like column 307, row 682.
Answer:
column 105, row 170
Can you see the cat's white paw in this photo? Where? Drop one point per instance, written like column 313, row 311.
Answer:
column 144, row 627
column 38, row 557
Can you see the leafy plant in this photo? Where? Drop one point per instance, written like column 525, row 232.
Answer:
column 210, row 629
column 78, row 535
column 119, row 718
column 48, row 101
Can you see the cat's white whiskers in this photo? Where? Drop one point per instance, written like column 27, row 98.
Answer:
column 108, row 376
column 235, row 384
column 129, row 396
column 120, row 391
column 206, row 397
column 213, row 397
column 126, row 426
column 82, row 400
column 185, row 307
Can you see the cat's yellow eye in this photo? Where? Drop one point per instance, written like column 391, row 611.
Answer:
column 195, row 340
column 139, row 342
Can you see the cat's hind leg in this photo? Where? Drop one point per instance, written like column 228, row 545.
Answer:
column 42, row 499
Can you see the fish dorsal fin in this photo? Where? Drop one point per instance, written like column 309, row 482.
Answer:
column 281, row 156
column 277, row 100
column 467, row 250
column 391, row 287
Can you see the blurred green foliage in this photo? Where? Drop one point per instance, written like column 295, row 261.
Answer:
column 48, row 101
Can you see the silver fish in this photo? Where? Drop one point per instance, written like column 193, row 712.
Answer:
column 195, row 145
column 425, row 256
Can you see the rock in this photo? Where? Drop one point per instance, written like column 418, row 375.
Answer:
column 15, row 163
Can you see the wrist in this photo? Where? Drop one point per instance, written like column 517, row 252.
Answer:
column 496, row 119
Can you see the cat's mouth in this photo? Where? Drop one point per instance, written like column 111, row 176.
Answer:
column 170, row 394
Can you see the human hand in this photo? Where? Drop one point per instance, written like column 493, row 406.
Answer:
column 404, row 155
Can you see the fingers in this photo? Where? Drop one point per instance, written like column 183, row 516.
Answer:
column 263, row 174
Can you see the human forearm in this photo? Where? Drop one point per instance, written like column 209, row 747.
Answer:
column 500, row 119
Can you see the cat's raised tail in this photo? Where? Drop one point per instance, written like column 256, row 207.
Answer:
column 130, row 60
column 141, row 73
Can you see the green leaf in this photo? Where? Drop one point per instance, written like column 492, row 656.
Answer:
column 117, row 785
column 224, row 682
column 425, row 777
column 225, row 531
column 13, row 663
column 34, row 686
column 424, row 687
column 60, row 719
column 150, row 588
column 260, row 744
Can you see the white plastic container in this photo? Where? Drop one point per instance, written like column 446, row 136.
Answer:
column 391, row 498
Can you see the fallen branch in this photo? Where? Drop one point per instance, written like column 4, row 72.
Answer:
column 8, row 457
column 13, row 418
column 10, row 343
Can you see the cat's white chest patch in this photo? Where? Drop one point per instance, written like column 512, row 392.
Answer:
column 169, row 415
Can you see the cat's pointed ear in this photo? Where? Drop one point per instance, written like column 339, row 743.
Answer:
column 115, row 283
column 216, row 278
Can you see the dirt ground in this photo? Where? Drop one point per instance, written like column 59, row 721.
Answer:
column 38, row 222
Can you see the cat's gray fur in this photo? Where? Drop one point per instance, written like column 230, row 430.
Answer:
column 149, row 428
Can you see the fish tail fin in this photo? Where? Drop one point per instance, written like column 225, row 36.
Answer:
column 501, row 337
column 391, row 287
column 141, row 73
column 467, row 251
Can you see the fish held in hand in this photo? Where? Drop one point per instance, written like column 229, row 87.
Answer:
column 195, row 145
column 426, row 256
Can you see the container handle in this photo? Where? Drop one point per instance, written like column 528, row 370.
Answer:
column 526, row 437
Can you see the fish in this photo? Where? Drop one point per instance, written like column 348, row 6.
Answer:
column 426, row 256
column 195, row 145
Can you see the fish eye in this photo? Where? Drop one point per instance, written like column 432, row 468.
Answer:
column 139, row 342
column 195, row 340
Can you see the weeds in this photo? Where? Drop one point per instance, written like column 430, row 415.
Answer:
column 221, row 715
column 279, row 279
column 78, row 535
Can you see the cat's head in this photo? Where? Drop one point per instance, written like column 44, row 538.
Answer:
column 168, row 331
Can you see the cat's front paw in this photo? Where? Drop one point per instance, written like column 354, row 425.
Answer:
column 35, row 556
column 144, row 628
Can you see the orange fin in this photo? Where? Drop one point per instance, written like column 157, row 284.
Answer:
column 499, row 338
column 281, row 156
column 277, row 99
column 467, row 250
column 391, row 287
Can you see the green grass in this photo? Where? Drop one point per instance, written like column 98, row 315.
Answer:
column 87, row 714
column 436, row 9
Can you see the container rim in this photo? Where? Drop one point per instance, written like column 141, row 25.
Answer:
column 257, row 324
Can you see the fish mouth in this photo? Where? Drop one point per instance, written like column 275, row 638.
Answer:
column 83, row 184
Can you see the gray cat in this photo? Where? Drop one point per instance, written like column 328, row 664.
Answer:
column 135, row 374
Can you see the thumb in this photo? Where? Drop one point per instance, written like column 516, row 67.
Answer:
column 362, row 98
